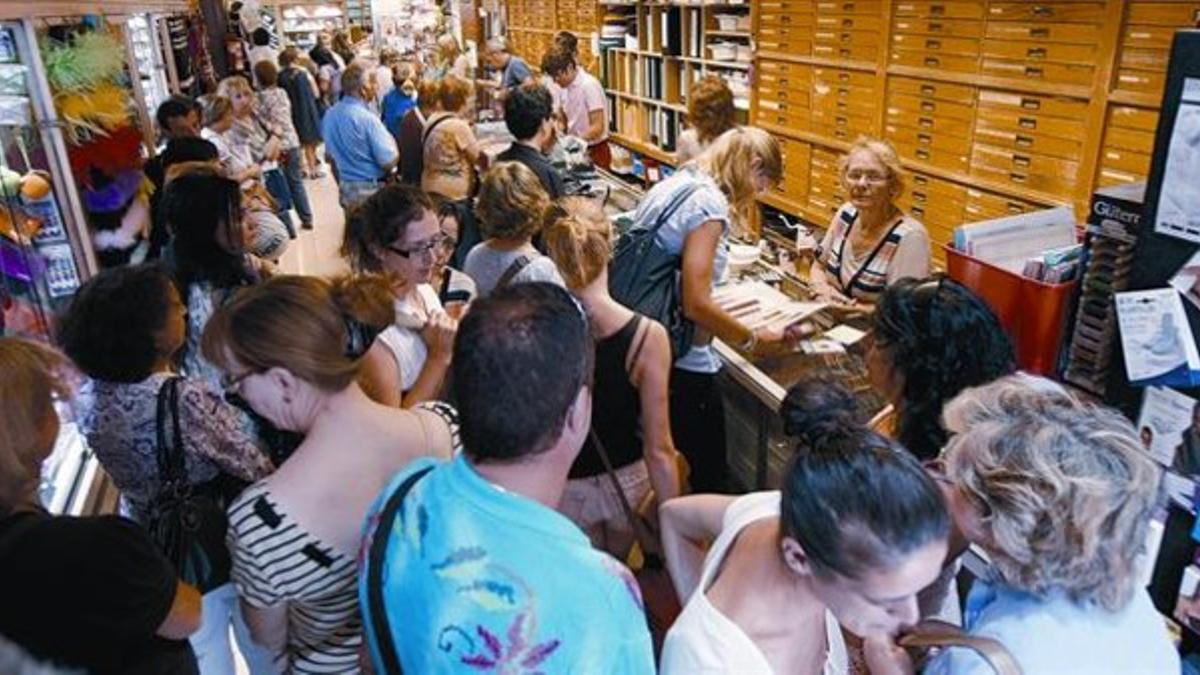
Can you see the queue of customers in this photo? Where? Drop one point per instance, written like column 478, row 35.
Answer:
column 412, row 460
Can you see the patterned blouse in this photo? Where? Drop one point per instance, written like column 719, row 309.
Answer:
column 275, row 111
column 120, row 422
column 863, row 275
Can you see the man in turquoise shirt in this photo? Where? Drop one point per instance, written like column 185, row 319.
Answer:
column 466, row 566
column 362, row 150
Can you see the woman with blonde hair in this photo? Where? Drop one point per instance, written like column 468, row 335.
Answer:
column 629, row 389
column 263, row 141
column 870, row 243
column 710, row 114
column 1059, row 494
column 293, row 349
column 91, row 594
column 451, row 59
column 692, row 211
column 511, row 207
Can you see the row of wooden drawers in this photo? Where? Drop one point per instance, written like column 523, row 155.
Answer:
column 1146, row 43
column 1128, row 145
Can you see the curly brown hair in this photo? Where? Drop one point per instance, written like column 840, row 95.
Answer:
column 710, row 108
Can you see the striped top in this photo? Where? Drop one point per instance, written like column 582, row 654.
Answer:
column 275, row 560
column 863, row 275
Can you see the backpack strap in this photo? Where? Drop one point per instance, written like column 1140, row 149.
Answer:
column 934, row 633
column 376, row 601
column 513, row 270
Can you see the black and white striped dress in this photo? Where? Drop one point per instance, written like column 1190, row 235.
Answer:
column 276, row 561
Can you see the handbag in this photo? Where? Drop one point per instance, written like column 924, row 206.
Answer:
column 659, row 599
column 187, row 520
column 645, row 277
column 935, row 633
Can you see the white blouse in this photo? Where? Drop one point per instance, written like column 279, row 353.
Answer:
column 403, row 339
column 703, row 640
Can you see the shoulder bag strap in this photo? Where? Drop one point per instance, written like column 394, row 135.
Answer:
column 637, row 527
column 376, row 601
column 169, row 452
column 870, row 258
column 672, row 207
column 934, row 633
column 513, row 270
column 640, row 334
column 429, row 131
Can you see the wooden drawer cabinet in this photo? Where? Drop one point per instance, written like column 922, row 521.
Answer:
column 1052, row 11
column 867, row 7
column 946, row 9
column 1026, row 71
column 796, row 40
column 955, row 28
column 935, row 60
column 1141, row 81
column 827, row 161
column 1174, row 14
column 939, row 91
column 785, row 72
column 785, row 20
column 834, row 77
column 1045, row 174
column 1129, row 139
column 924, row 139
column 784, row 5
column 1149, row 37
column 930, row 124
column 856, row 22
column 919, row 106
column 1131, row 161
column 1036, row 52
column 1110, row 176
column 924, row 188
column 936, row 44
column 1033, row 104
column 943, row 159
column 985, row 205
column 842, row 125
column 846, row 51
column 1027, row 142
column 862, row 106
column 1062, row 33
column 1129, row 117
column 1032, row 123
column 795, row 96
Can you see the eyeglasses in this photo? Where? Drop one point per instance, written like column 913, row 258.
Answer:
column 231, row 383
column 429, row 248
column 869, row 176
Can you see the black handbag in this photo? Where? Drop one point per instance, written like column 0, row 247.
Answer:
column 644, row 277
column 187, row 521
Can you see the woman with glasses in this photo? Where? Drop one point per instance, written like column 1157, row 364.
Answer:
column 122, row 329
column 1058, row 493
column 456, row 289
column 870, row 242
column 396, row 233
column 292, row 347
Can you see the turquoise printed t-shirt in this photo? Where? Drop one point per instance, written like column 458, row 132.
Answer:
column 479, row 580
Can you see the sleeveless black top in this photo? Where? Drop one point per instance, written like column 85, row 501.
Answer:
column 616, row 406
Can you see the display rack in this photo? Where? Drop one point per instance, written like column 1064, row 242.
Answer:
column 532, row 24
column 301, row 20
column 995, row 107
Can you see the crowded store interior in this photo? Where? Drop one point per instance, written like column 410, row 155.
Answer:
column 850, row 337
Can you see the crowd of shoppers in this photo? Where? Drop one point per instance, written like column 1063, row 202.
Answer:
column 491, row 535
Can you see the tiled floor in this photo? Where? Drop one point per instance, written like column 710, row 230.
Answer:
column 315, row 252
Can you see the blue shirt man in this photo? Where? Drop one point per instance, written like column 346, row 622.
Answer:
column 467, row 568
column 362, row 149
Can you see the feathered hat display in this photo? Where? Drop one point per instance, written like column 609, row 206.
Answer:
column 86, row 71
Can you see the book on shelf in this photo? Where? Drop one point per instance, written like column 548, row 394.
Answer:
column 672, row 29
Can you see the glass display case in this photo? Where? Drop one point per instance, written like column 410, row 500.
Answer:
column 44, row 249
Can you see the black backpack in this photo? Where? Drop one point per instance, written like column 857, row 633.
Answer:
column 644, row 276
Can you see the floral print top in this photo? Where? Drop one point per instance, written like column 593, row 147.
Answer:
column 120, row 423
column 504, row 584
column 275, row 111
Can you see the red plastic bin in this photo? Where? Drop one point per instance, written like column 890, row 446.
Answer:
column 1034, row 313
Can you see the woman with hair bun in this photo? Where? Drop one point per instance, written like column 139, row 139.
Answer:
column 857, row 530
column 629, row 390
column 292, row 347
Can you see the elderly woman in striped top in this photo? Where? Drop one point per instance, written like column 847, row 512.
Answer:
column 870, row 243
